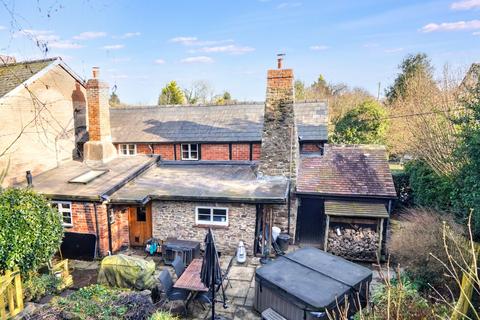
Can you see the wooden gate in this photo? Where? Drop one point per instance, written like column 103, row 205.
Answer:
column 11, row 295
column 140, row 225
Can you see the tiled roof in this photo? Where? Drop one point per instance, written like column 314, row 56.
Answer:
column 14, row 74
column 206, row 181
column 360, row 171
column 355, row 209
column 229, row 123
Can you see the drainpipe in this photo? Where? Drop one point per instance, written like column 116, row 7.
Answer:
column 97, row 232
column 289, row 203
column 106, row 202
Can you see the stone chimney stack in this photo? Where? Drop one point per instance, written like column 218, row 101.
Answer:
column 279, row 139
column 99, row 148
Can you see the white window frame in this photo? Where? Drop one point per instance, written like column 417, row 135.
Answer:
column 189, row 151
column 211, row 222
column 62, row 210
column 127, row 148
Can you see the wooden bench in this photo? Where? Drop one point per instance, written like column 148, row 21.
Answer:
column 270, row 314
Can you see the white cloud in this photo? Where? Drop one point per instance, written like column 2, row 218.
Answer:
column 198, row 59
column 127, row 35
column 114, row 47
column 194, row 41
column 452, row 26
column 371, row 45
column 64, row 44
column 121, row 59
column 90, row 35
column 477, row 33
column 159, row 61
column 393, row 50
column 465, row 5
column 289, row 5
column 231, row 48
column 3, row 28
column 319, row 48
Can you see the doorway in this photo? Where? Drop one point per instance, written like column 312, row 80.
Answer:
column 311, row 222
column 140, row 224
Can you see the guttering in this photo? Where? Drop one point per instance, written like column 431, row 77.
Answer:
column 97, row 232
column 346, row 196
column 147, row 199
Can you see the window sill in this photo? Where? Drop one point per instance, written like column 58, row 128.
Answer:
column 213, row 226
column 68, row 226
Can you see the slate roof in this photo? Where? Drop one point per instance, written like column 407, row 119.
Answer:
column 14, row 74
column 205, row 181
column 355, row 209
column 228, row 123
column 358, row 171
column 55, row 183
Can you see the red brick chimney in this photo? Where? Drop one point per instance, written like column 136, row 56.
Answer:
column 279, row 139
column 99, row 148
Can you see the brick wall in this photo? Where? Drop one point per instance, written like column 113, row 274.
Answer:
column 311, row 147
column 83, row 217
column 215, row 152
column 177, row 219
column 98, row 110
column 209, row 151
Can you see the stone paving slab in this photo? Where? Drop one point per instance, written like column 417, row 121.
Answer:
column 243, row 273
column 239, row 289
column 243, row 313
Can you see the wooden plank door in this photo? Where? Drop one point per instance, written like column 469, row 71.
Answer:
column 311, row 222
column 140, row 225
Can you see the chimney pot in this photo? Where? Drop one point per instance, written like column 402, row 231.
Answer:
column 279, row 62
column 95, row 72
column 29, row 177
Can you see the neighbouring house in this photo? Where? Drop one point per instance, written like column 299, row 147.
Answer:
column 345, row 196
column 42, row 107
column 175, row 171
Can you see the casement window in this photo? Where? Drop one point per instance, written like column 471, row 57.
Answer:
column 127, row 149
column 65, row 210
column 189, row 151
column 211, row 216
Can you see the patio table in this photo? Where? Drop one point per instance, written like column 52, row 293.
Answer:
column 190, row 278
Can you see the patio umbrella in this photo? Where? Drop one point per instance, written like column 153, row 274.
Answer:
column 211, row 273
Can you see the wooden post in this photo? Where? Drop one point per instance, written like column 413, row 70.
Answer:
column 380, row 239
column 10, row 300
column 327, row 226
column 3, row 312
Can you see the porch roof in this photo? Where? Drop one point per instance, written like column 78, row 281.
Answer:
column 203, row 181
column 355, row 209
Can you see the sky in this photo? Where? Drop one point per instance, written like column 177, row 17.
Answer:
column 141, row 45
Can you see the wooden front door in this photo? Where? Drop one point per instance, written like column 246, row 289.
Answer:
column 140, row 225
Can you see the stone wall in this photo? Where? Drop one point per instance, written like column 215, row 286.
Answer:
column 177, row 219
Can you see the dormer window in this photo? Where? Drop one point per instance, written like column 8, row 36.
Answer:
column 127, row 149
column 189, row 151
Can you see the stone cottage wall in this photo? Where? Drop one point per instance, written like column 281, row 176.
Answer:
column 177, row 219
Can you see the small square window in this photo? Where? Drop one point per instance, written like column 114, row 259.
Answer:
column 65, row 210
column 189, row 151
column 141, row 214
column 128, row 149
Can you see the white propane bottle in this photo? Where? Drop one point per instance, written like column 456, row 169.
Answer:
column 241, row 253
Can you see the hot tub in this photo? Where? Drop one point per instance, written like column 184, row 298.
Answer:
column 306, row 283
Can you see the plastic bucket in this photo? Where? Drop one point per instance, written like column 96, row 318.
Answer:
column 283, row 240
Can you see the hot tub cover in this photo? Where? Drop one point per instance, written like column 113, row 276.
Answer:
column 314, row 277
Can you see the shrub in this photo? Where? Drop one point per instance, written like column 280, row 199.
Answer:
column 36, row 286
column 30, row 230
column 401, row 180
column 162, row 315
column 418, row 235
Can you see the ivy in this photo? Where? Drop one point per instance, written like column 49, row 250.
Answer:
column 30, row 230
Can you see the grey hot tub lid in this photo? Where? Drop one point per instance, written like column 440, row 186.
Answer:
column 315, row 277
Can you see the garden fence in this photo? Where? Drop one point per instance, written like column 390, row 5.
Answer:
column 11, row 295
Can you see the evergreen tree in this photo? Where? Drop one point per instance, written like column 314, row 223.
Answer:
column 114, row 100
column 171, row 94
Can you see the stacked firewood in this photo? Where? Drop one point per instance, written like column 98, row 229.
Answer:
column 353, row 242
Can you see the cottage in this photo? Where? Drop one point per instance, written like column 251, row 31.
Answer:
column 174, row 171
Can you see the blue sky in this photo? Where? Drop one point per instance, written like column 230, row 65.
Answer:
column 141, row 45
